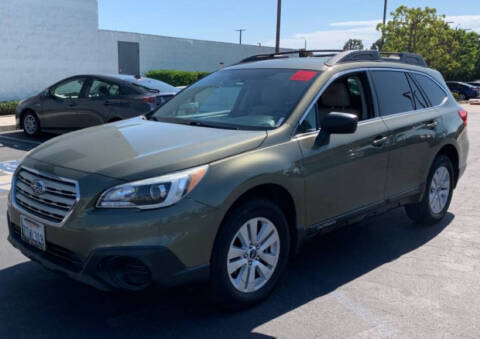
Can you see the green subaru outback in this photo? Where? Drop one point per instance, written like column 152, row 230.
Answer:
column 227, row 179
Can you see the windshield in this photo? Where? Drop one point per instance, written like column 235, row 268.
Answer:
column 152, row 85
column 243, row 98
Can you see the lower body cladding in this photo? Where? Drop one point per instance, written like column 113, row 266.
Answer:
column 133, row 265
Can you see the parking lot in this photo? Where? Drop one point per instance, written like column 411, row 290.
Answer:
column 383, row 277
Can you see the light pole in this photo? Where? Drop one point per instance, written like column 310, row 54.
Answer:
column 240, row 31
column 279, row 14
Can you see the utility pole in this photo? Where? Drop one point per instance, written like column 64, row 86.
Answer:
column 385, row 12
column 384, row 22
column 240, row 31
column 279, row 14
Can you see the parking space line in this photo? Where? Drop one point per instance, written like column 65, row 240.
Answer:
column 31, row 142
column 7, row 168
column 366, row 315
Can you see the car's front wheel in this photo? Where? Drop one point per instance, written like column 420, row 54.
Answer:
column 438, row 193
column 30, row 124
column 250, row 253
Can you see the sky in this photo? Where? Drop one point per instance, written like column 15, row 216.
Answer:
column 323, row 24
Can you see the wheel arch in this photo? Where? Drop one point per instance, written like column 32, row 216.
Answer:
column 451, row 152
column 281, row 197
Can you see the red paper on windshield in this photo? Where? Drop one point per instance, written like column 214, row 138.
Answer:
column 303, row 75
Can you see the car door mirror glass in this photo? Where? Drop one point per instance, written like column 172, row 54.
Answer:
column 339, row 123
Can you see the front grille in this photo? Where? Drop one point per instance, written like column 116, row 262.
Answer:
column 53, row 253
column 54, row 204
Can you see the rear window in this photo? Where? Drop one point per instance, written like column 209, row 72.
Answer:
column 432, row 90
column 393, row 92
column 151, row 85
column 250, row 98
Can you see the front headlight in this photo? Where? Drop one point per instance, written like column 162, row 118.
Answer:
column 155, row 192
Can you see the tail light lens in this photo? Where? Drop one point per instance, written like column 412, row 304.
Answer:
column 463, row 114
column 149, row 100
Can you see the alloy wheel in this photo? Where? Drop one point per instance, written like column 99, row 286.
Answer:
column 253, row 255
column 439, row 189
column 30, row 124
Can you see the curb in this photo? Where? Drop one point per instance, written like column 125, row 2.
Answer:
column 8, row 128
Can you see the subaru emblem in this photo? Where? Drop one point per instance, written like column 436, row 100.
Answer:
column 38, row 187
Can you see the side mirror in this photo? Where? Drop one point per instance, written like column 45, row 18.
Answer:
column 339, row 123
column 48, row 93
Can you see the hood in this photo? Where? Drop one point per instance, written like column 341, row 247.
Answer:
column 137, row 148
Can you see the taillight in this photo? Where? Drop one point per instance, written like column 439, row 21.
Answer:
column 150, row 100
column 463, row 114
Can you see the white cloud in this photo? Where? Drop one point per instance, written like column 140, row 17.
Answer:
column 465, row 22
column 363, row 30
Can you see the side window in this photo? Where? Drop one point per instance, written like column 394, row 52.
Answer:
column 393, row 92
column 418, row 95
column 100, row 89
column 348, row 94
column 69, row 90
column 433, row 91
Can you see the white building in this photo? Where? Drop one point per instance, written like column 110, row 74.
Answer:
column 43, row 41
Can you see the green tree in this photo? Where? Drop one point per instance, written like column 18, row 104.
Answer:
column 352, row 44
column 377, row 45
column 454, row 52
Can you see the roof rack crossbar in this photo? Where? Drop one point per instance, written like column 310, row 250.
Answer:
column 338, row 56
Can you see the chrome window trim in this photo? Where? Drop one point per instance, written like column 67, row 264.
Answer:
column 365, row 69
column 46, row 175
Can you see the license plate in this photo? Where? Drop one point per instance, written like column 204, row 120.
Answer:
column 33, row 233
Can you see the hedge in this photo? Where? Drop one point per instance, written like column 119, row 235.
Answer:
column 8, row 107
column 176, row 78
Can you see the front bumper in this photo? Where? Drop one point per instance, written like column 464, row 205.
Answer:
column 107, row 269
column 171, row 245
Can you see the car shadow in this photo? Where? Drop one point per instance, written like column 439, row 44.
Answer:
column 19, row 140
column 37, row 303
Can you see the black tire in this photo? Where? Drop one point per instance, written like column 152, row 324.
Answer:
column 31, row 131
column 223, row 291
column 422, row 212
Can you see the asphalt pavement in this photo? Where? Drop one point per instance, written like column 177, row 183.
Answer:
column 384, row 277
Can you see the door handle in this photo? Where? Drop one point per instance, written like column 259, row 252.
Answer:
column 431, row 124
column 379, row 141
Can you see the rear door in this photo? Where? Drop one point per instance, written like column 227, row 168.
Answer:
column 348, row 173
column 60, row 107
column 413, row 130
column 100, row 96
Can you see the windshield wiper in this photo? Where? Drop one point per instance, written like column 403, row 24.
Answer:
column 206, row 124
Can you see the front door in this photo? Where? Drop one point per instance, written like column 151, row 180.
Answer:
column 60, row 106
column 346, row 173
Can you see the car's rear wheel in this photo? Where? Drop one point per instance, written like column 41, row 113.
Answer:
column 437, row 195
column 251, row 251
column 30, row 124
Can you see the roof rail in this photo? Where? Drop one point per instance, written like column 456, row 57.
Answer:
column 302, row 53
column 354, row 55
column 404, row 57
column 340, row 56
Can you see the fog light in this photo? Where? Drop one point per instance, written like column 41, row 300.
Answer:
column 126, row 273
